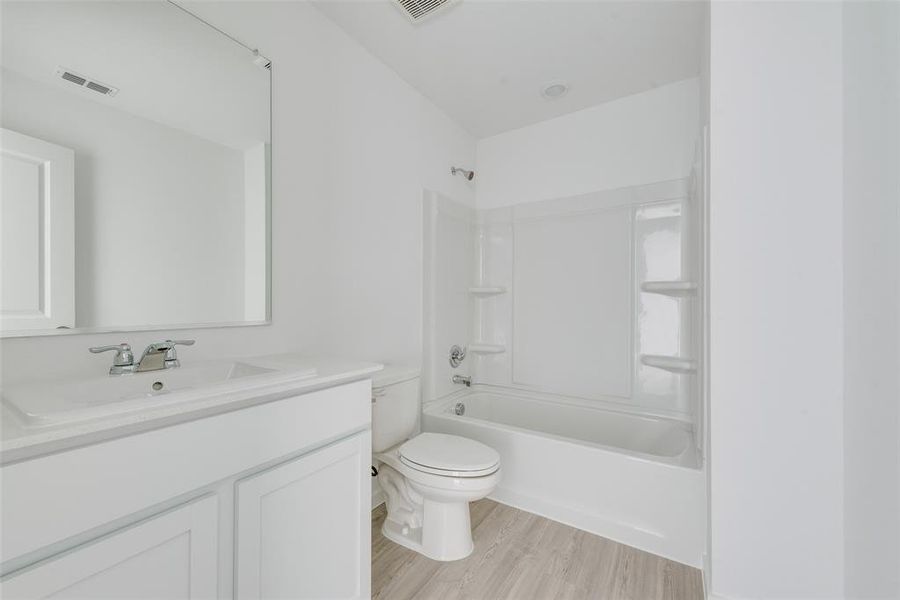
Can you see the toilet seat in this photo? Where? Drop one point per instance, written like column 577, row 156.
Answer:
column 449, row 456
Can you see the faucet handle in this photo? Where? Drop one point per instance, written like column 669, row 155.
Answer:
column 457, row 355
column 172, row 356
column 124, row 357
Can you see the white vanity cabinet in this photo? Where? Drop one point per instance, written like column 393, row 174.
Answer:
column 272, row 500
column 171, row 555
column 316, row 552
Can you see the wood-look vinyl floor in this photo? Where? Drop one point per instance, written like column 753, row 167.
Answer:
column 522, row 556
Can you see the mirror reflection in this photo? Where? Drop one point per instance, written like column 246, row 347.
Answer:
column 135, row 170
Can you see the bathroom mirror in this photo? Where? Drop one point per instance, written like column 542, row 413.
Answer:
column 135, row 170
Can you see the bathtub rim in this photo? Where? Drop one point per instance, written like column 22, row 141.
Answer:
column 689, row 459
column 605, row 403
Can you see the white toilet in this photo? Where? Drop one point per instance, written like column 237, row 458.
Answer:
column 428, row 480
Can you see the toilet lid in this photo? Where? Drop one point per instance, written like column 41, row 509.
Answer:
column 458, row 456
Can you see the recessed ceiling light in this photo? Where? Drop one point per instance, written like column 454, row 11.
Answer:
column 554, row 89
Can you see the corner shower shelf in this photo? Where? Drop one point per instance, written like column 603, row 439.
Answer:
column 487, row 348
column 669, row 363
column 670, row 288
column 485, row 291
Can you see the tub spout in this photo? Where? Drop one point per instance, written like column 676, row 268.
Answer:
column 462, row 379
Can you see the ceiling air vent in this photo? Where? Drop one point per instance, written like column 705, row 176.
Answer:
column 93, row 85
column 418, row 10
column 74, row 78
column 80, row 80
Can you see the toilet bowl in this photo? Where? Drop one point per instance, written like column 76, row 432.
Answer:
column 428, row 500
column 429, row 479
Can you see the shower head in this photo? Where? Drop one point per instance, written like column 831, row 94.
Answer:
column 469, row 175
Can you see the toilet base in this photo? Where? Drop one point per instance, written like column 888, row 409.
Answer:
column 429, row 513
column 430, row 523
column 445, row 535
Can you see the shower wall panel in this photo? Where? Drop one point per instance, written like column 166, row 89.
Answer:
column 575, row 317
column 592, row 298
column 572, row 310
column 449, row 264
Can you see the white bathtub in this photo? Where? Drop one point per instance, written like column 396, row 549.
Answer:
column 626, row 477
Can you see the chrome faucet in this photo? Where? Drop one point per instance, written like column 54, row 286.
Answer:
column 462, row 379
column 157, row 356
column 161, row 355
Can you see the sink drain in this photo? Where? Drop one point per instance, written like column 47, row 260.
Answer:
column 157, row 385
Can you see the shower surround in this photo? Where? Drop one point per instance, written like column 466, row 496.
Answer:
column 582, row 317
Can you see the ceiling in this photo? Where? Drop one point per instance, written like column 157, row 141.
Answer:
column 484, row 62
column 170, row 67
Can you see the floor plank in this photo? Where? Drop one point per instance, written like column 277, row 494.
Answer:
column 522, row 556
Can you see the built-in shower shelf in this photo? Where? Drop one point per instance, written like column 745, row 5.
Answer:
column 487, row 348
column 487, row 290
column 670, row 288
column 669, row 363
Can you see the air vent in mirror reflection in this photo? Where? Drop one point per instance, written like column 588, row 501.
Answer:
column 86, row 82
column 417, row 10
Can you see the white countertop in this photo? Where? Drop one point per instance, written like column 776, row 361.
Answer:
column 19, row 443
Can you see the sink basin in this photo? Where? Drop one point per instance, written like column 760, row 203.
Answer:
column 65, row 402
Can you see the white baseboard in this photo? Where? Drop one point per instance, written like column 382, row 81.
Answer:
column 705, row 572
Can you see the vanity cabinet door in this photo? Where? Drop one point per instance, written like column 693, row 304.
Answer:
column 303, row 527
column 171, row 555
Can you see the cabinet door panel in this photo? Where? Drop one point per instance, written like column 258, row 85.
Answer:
column 303, row 529
column 171, row 555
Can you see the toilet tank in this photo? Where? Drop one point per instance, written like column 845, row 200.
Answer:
column 395, row 406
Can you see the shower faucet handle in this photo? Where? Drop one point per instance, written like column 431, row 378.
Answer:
column 457, row 355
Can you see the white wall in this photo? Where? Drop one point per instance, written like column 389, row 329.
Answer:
column 353, row 147
column 147, row 197
column 871, row 73
column 639, row 139
column 373, row 146
column 776, row 309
